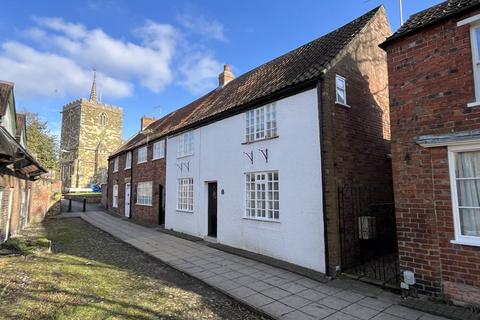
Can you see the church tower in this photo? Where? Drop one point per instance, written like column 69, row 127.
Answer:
column 91, row 130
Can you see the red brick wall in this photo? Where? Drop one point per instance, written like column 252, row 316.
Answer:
column 431, row 82
column 356, row 138
column 121, row 177
column 42, row 200
column 152, row 170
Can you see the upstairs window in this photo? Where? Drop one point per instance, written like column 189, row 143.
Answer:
column 341, row 90
column 185, row 145
column 464, row 163
column 142, row 155
column 102, row 119
column 159, row 150
column 261, row 123
column 475, row 42
column 128, row 160
column 115, row 165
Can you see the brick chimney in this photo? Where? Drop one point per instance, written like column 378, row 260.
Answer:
column 226, row 76
column 145, row 121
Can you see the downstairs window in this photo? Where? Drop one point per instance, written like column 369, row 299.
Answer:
column 262, row 195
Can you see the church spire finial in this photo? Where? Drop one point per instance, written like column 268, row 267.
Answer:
column 93, row 92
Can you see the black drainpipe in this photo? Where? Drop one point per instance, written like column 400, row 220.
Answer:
column 131, row 184
column 321, row 114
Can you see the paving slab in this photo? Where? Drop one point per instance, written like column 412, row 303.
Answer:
column 276, row 292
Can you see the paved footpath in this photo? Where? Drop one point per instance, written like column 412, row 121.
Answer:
column 274, row 291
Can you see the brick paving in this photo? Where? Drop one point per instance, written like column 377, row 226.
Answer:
column 278, row 293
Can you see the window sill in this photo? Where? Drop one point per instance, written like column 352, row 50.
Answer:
column 343, row 104
column 473, row 104
column 259, row 140
column 184, row 211
column 184, row 156
column 128, row 168
column 158, row 158
column 142, row 162
column 143, row 205
column 466, row 242
column 262, row 220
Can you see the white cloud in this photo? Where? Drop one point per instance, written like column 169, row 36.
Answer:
column 72, row 30
column 210, row 28
column 199, row 72
column 60, row 64
column 39, row 74
column 148, row 62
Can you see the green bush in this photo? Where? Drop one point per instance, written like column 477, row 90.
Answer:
column 17, row 245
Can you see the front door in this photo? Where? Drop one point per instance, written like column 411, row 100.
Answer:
column 127, row 200
column 212, row 209
column 161, row 208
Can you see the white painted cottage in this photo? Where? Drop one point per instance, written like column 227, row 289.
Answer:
column 255, row 163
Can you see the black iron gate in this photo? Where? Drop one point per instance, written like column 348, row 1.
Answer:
column 368, row 234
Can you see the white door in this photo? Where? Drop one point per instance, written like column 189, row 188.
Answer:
column 127, row 200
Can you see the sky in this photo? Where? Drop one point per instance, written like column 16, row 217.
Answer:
column 153, row 56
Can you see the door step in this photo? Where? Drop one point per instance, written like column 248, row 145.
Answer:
column 210, row 239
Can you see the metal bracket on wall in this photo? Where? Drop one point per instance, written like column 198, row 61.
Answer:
column 180, row 166
column 250, row 156
column 264, row 153
column 187, row 165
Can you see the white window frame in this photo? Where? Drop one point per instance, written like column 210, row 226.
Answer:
column 115, row 196
column 128, row 160
column 264, row 186
column 185, row 145
column 452, row 151
column 344, row 89
column 115, row 164
column 261, row 123
column 159, row 150
column 144, row 152
column 475, row 63
column 185, row 195
column 144, row 193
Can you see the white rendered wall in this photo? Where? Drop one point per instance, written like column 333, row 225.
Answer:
column 219, row 156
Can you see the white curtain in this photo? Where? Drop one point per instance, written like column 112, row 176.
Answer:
column 468, row 188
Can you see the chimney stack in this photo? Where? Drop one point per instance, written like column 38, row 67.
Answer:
column 226, row 76
column 146, row 121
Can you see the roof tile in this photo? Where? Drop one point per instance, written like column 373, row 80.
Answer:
column 295, row 67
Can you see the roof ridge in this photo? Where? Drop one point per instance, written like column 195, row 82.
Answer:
column 296, row 67
column 371, row 12
column 431, row 15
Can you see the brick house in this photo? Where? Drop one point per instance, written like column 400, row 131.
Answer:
column 141, row 160
column 18, row 168
column 434, row 99
column 256, row 163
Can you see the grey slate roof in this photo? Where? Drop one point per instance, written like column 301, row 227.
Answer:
column 298, row 66
column 432, row 15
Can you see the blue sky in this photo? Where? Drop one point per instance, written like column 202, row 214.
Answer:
column 153, row 57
